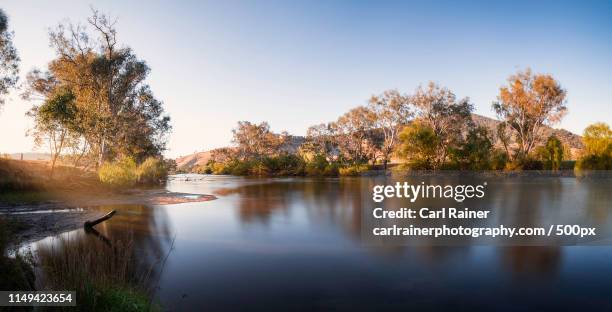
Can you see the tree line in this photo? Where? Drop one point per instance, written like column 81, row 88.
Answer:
column 429, row 129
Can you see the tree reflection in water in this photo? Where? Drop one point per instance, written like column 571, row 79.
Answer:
column 130, row 247
column 339, row 202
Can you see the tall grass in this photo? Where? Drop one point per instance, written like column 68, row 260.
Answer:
column 107, row 275
column 126, row 173
column 119, row 174
column 151, row 171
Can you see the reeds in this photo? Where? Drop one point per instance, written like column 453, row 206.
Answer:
column 106, row 274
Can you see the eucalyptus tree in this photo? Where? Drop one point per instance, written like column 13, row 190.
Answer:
column 449, row 119
column 116, row 111
column 392, row 111
column 353, row 131
column 9, row 58
column 255, row 140
column 55, row 124
column 527, row 104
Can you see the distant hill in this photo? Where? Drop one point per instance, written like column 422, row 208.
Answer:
column 572, row 140
column 30, row 156
column 193, row 160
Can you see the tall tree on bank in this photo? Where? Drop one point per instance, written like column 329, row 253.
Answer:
column 391, row 111
column 527, row 104
column 55, row 124
column 9, row 59
column 449, row 119
column 353, row 131
column 116, row 112
column 255, row 140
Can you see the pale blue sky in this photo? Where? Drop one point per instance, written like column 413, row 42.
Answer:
column 299, row 63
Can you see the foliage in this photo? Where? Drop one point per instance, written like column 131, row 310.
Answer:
column 282, row 165
column 116, row 114
column 595, row 162
column 320, row 140
column 320, row 166
column 126, row 173
column 475, row 152
column 529, row 102
column 122, row 173
column 554, row 153
column 9, row 59
column 255, row 140
column 55, row 122
column 285, row 164
column 391, row 111
column 448, row 118
column 499, row 158
column 418, row 145
column 151, row 171
column 597, row 139
column 352, row 133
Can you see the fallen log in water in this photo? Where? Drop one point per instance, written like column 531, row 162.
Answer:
column 90, row 224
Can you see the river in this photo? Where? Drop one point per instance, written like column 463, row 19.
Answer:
column 292, row 244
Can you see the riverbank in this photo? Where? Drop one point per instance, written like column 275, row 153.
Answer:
column 495, row 173
column 45, row 204
column 41, row 215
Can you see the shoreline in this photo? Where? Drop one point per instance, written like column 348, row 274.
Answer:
column 36, row 220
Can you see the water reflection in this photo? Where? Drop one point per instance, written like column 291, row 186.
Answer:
column 297, row 244
column 146, row 230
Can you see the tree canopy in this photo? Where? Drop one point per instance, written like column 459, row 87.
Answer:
column 9, row 58
column 115, row 111
column 529, row 102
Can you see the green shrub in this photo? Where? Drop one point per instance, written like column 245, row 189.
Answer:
column 152, row 171
column 122, row 173
column 331, row 170
column 286, row 164
column 525, row 164
column 256, row 168
column 568, row 164
column 240, row 168
column 317, row 165
column 594, row 162
column 499, row 158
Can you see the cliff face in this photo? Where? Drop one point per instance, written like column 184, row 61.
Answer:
column 572, row 140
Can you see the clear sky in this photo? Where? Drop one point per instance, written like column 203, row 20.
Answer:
column 299, row 63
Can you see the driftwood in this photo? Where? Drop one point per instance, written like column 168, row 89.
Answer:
column 91, row 224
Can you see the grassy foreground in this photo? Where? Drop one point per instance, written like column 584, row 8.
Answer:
column 107, row 276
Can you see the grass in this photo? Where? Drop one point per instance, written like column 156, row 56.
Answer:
column 106, row 276
column 17, row 175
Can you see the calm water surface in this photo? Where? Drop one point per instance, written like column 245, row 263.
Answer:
column 295, row 244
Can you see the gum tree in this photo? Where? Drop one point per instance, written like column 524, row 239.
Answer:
column 116, row 111
column 9, row 59
column 448, row 118
column 527, row 104
column 391, row 111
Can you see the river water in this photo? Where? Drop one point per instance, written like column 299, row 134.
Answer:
column 296, row 244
